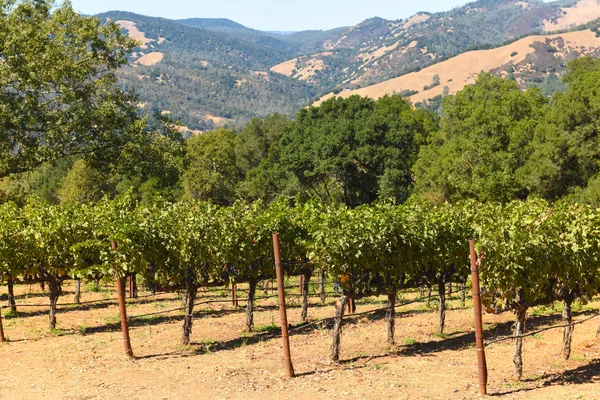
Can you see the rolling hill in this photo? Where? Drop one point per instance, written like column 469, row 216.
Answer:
column 532, row 60
column 377, row 49
column 213, row 72
column 204, row 77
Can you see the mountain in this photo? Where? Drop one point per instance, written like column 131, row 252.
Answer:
column 214, row 72
column 537, row 60
column 534, row 60
column 378, row 49
column 217, row 24
column 206, row 78
column 285, row 33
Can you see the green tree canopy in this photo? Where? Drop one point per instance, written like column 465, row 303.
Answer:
column 212, row 173
column 356, row 149
column 57, row 86
column 84, row 184
column 483, row 140
column 257, row 152
column 566, row 146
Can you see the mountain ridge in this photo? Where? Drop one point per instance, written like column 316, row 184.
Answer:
column 215, row 72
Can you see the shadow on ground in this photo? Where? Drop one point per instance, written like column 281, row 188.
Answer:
column 587, row 373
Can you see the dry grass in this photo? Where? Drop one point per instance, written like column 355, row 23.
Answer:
column 134, row 32
column 285, row 68
column 85, row 360
column 583, row 12
column 302, row 70
column 219, row 121
column 151, row 58
column 410, row 46
column 462, row 70
column 415, row 19
column 184, row 129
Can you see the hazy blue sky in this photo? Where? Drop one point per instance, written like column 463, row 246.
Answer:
column 281, row 15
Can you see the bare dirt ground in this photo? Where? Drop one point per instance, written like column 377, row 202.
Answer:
column 84, row 358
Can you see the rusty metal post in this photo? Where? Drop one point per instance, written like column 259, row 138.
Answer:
column 122, row 310
column 481, row 362
column 2, row 338
column 130, row 284
column 289, row 368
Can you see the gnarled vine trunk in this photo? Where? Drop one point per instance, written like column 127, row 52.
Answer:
column 151, row 282
column 250, row 306
column 322, row 286
column 519, row 330
column 567, row 316
column 77, row 299
column 442, row 305
column 11, row 296
column 189, row 298
column 390, row 316
column 463, row 294
column 133, row 290
column 429, row 290
column 337, row 327
column 54, row 285
column 305, row 281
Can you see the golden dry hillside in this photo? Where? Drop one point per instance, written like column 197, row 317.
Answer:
column 303, row 68
column 150, row 58
column 583, row 12
column 134, row 32
column 462, row 70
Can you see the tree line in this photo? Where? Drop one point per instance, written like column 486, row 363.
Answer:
column 490, row 142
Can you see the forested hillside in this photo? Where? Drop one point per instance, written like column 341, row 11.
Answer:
column 215, row 72
column 206, row 78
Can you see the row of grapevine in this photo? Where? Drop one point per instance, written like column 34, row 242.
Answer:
column 533, row 253
column 536, row 254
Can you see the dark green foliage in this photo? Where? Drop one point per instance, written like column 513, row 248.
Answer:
column 566, row 145
column 408, row 93
column 354, row 150
column 483, row 141
column 434, row 82
column 212, row 173
column 435, row 104
column 57, row 92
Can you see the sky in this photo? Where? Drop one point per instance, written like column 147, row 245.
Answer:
column 273, row 15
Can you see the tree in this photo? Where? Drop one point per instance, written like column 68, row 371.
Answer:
column 253, row 142
column 356, row 149
column 212, row 173
column 566, row 143
column 57, row 78
column 83, row 184
column 258, row 156
column 483, row 140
